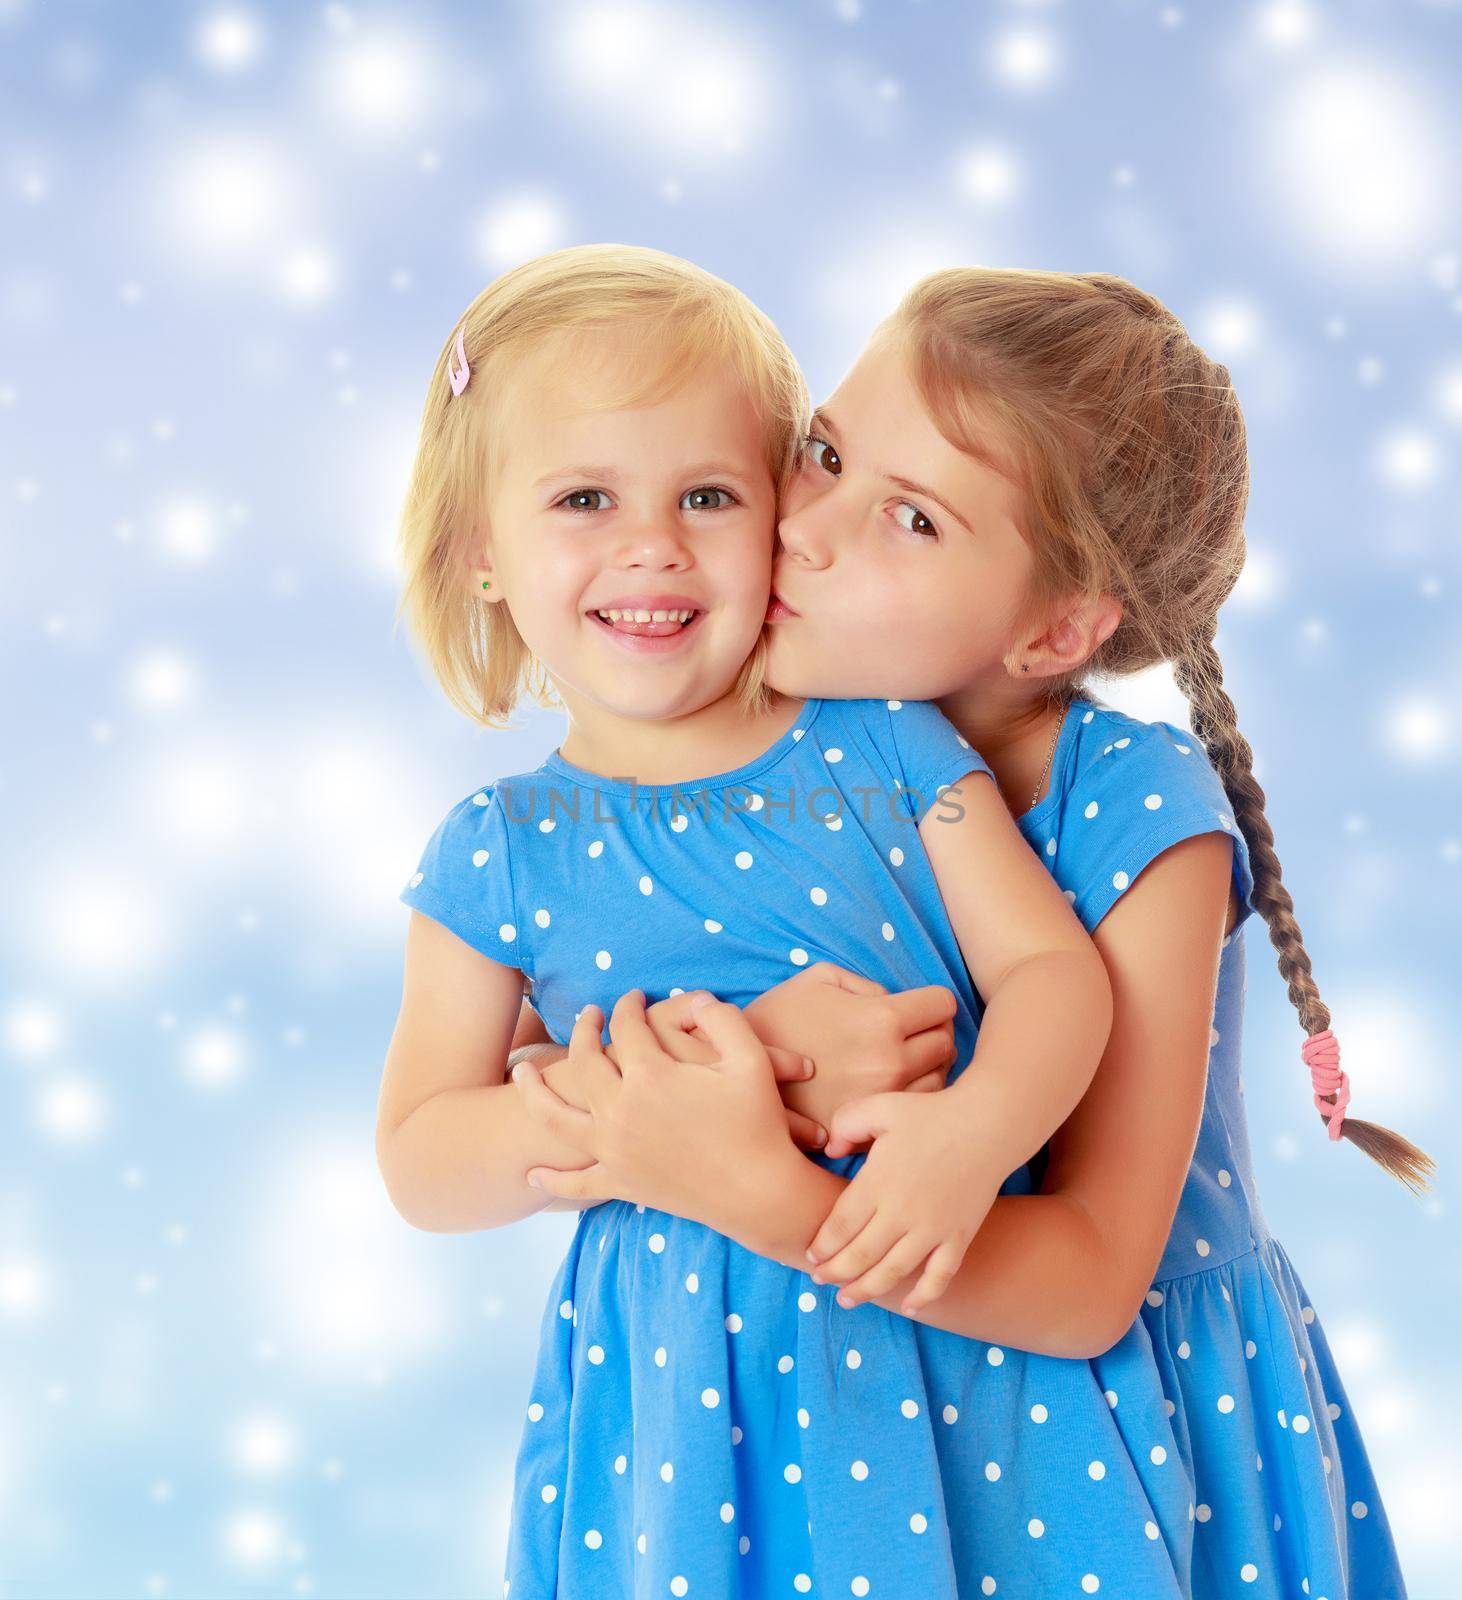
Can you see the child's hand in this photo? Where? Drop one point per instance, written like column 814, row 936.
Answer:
column 674, row 1025
column 918, row 1199
column 863, row 1039
column 647, row 1115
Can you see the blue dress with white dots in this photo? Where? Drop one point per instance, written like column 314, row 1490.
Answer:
column 706, row 1422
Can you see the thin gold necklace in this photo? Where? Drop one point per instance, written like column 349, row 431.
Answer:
column 1050, row 757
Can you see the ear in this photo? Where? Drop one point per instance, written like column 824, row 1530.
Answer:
column 480, row 574
column 1075, row 638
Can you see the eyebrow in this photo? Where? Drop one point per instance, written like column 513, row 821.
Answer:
column 922, row 489
column 699, row 469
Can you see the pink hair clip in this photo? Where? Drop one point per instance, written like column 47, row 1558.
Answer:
column 460, row 375
column 1322, row 1056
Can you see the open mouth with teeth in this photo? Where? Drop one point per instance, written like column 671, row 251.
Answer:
column 649, row 624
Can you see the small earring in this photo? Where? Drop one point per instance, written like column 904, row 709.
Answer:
column 487, row 583
column 1024, row 666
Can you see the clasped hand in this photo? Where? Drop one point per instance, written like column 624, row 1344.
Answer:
column 646, row 1108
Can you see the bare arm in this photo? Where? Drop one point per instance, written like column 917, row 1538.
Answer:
column 1048, row 1000
column 1063, row 1272
column 452, row 1138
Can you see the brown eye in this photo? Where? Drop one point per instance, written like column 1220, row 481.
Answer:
column 916, row 522
column 572, row 500
column 830, row 461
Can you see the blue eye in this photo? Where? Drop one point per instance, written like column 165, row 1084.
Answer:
column 917, row 523
column 691, row 494
column 581, row 494
column 832, row 462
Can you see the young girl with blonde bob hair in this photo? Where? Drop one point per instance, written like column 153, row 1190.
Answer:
column 1028, row 478
column 594, row 500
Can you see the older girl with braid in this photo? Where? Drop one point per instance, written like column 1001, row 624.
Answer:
column 1028, row 479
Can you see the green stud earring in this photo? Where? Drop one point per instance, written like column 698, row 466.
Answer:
column 487, row 584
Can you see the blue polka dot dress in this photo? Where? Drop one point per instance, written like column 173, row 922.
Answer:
column 1281, row 1497
column 705, row 1422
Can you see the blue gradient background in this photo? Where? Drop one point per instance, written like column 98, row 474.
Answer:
column 233, row 240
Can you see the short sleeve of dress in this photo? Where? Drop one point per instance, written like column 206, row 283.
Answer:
column 1138, row 794
column 464, row 879
column 931, row 752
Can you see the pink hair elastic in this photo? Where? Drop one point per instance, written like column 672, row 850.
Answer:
column 1322, row 1056
column 460, row 375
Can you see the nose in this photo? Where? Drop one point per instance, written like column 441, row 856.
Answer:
column 652, row 543
column 804, row 534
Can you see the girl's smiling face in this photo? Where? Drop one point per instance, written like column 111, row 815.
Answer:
column 901, row 561
column 599, row 507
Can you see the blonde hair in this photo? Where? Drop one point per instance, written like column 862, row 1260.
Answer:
column 688, row 316
column 1130, row 448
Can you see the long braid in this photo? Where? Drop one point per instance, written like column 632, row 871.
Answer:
column 1199, row 675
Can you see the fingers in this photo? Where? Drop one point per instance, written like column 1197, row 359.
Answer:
column 633, row 1036
column 788, row 1066
column 904, row 1256
column 855, row 1208
column 925, row 1007
column 676, row 1028
column 930, row 1083
column 806, row 1133
column 932, row 1049
column 544, row 1104
column 939, row 1273
column 579, row 1183
column 728, row 1030
column 866, row 1253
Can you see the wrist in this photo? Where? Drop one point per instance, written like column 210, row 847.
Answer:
column 777, row 1211
column 988, row 1122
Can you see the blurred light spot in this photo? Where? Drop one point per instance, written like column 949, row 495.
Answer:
column 32, row 1030
column 1449, row 394
column 1446, row 271
column 24, row 1287
column 339, row 1279
column 378, row 84
column 213, row 1058
column 520, row 227
column 1358, row 1347
column 1422, row 1494
column 201, row 799
column 226, row 197
column 1151, row 695
column 162, row 680
column 674, row 78
column 1358, row 167
column 870, row 275
column 1228, row 328
column 988, row 174
column 253, row 1539
column 306, row 276
column 1388, row 1047
column 1418, row 728
column 1261, row 579
column 1408, row 459
column 1370, row 370
column 228, row 41
column 263, row 1445
column 69, row 1111
column 1287, row 24
column 1026, row 58
column 93, row 924
column 187, row 529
